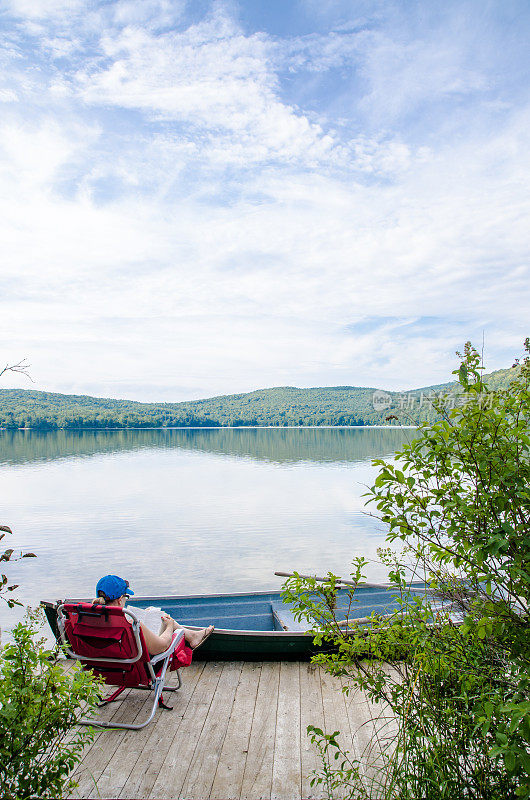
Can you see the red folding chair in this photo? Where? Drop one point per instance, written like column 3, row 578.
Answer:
column 109, row 641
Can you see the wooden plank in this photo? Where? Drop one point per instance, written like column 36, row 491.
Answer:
column 98, row 754
column 91, row 771
column 152, row 746
column 311, row 713
column 118, row 766
column 257, row 778
column 116, row 774
column 223, row 710
column 228, row 778
column 373, row 729
column 286, row 777
column 173, row 771
column 362, row 729
column 200, row 776
column 335, row 713
column 67, row 667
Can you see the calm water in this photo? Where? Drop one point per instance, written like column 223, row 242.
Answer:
column 187, row 511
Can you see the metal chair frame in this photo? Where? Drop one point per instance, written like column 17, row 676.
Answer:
column 156, row 682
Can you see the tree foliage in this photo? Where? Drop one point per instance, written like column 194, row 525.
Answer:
column 9, row 554
column 280, row 406
column 456, row 694
column 39, row 704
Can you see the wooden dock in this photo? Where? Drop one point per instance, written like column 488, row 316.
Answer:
column 238, row 730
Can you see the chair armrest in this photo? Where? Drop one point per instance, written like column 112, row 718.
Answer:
column 178, row 636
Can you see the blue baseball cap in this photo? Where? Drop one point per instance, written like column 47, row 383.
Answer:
column 113, row 587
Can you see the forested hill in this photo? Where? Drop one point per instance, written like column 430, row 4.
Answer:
column 284, row 405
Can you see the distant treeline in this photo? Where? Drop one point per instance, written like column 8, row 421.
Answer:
column 282, row 406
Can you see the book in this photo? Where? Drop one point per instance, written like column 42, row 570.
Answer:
column 150, row 616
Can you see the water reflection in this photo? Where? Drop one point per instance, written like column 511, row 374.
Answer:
column 279, row 445
column 188, row 511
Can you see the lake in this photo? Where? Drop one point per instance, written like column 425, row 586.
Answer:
column 188, row 511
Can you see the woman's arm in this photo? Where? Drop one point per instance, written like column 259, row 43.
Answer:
column 157, row 643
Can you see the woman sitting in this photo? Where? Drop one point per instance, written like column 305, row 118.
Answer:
column 114, row 591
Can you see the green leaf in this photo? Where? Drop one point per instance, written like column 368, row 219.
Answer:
column 509, row 760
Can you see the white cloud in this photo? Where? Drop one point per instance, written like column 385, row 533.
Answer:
column 44, row 9
column 403, row 76
column 169, row 219
column 264, row 290
column 209, row 77
column 155, row 13
column 8, row 96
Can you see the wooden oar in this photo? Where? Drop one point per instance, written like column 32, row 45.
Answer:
column 315, row 578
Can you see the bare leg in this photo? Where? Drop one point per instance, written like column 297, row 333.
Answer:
column 193, row 638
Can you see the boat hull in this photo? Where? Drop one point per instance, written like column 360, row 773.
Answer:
column 238, row 646
column 254, row 626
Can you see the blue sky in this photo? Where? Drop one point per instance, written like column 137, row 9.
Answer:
column 200, row 198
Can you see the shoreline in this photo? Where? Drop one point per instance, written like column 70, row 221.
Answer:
column 215, row 428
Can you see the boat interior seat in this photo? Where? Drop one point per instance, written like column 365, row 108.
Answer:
column 284, row 618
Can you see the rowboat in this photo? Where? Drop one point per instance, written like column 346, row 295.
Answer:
column 258, row 625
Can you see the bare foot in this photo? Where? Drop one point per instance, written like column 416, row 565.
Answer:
column 196, row 638
column 168, row 621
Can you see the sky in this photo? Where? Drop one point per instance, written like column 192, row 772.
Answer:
column 201, row 198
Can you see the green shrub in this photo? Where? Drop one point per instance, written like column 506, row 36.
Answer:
column 458, row 500
column 9, row 555
column 39, row 704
